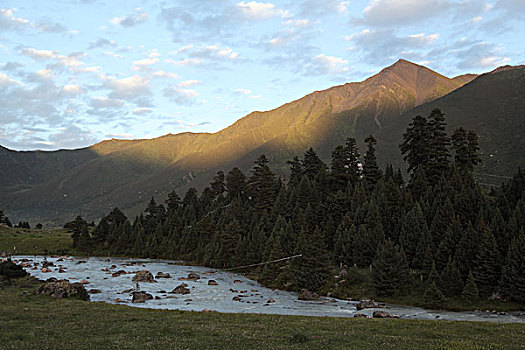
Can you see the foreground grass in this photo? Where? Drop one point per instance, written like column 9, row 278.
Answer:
column 39, row 322
column 34, row 242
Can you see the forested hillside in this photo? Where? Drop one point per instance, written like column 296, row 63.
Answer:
column 435, row 234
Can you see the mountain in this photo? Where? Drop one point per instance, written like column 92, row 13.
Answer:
column 492, row 105
column 127, row 173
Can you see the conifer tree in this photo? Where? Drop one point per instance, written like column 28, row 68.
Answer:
column 470, row 292
column 313, row 267
column 416, row 144
column 351, row 158
column 296, row 171
column 433, row 296
column 312, row 164
column 235, row 183
column 487, row 264
column 218, row 186
column 371, row 171
column 439, row 142
column 450, row 281
column 389, row 269
column 261, row 185
column 512, row 281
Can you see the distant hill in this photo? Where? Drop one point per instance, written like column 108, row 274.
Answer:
column 127, row 173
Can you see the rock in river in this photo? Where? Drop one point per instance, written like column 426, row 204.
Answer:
column 182, row 289
column 141, row 297
column 307, row 295
column 143, row 276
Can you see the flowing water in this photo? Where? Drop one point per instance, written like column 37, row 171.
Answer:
column 252, row 296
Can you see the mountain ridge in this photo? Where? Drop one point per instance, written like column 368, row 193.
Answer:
column 126, row 173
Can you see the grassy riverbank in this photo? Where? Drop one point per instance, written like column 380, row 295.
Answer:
column 40, row 322
column 34, row 241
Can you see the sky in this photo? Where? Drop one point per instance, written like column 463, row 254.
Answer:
column 76, row 72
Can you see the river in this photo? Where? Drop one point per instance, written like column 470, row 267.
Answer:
column 252, row 297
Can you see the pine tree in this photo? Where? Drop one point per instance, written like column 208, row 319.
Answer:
column 296, row 171
column 512, row 281
column 433, row 296
column 487, row 264
column 235, row 183
column 416, row 145
column 439, row 142
column 313, row 267
column 312, row 164
column 371, row 171
column 218, row 186
column 470, row 292
column 389, row 269
column 262, row 185
column 450, row 281
column 351, row 158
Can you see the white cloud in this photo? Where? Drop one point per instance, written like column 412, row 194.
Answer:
column 131, row 20
column 210, row 52
column 180, row 95
column 128, row 88
column 243, row 91
column 184, row 62
column 40, row 54
column 330, row 65
column 99, row 102
column 142, row 111
column 6, row 80
column 121, row 136
column 143, row 63
column 260, row 10
column 72, row 89
column 188, row 83
column 167, row 75
column 395, row 12
column 9, row 21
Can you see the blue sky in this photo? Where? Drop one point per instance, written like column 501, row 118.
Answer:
column 73, row 73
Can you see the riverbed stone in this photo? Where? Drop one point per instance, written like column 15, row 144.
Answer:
column 212, row 283
column 143, row 276
column 381, row 314
column 140, row 297
column 63, row 289
column 162, row 275
column 181, row 289
column 305, row 294
column 365, row 304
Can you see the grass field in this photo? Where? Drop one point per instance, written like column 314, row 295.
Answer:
column 34, row 242
column 40, row 322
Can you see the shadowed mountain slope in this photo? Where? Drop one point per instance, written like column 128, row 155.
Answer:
column 128, row 173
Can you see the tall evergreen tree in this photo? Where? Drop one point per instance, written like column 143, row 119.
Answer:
column 262, row 184
column 389, row 269
column 313, row 267
column 371, row 171
column 512, row 281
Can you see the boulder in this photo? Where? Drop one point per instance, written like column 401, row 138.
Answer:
column 63, row 289
column 237, row 281
column 113, row 267
column 236, row 298
column 118, row 273
column 46, row 269
column 212, row 283
column 84, row 282
column 61, row 271
column 162, row 275
column 47, row 263
column 94, row 291
column 365, row 304
column 118, row 300
column 307, row 295
column 182, row 289
column 234, row 290
column 128, row 291
column 143, row 276
column 193, row 276
column 270, row 301
column 381, row 314
column 360, row 315
column 141, row 297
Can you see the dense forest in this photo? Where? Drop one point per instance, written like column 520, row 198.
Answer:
column 438, row 233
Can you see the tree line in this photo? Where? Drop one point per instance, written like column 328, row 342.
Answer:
column 437, row 233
